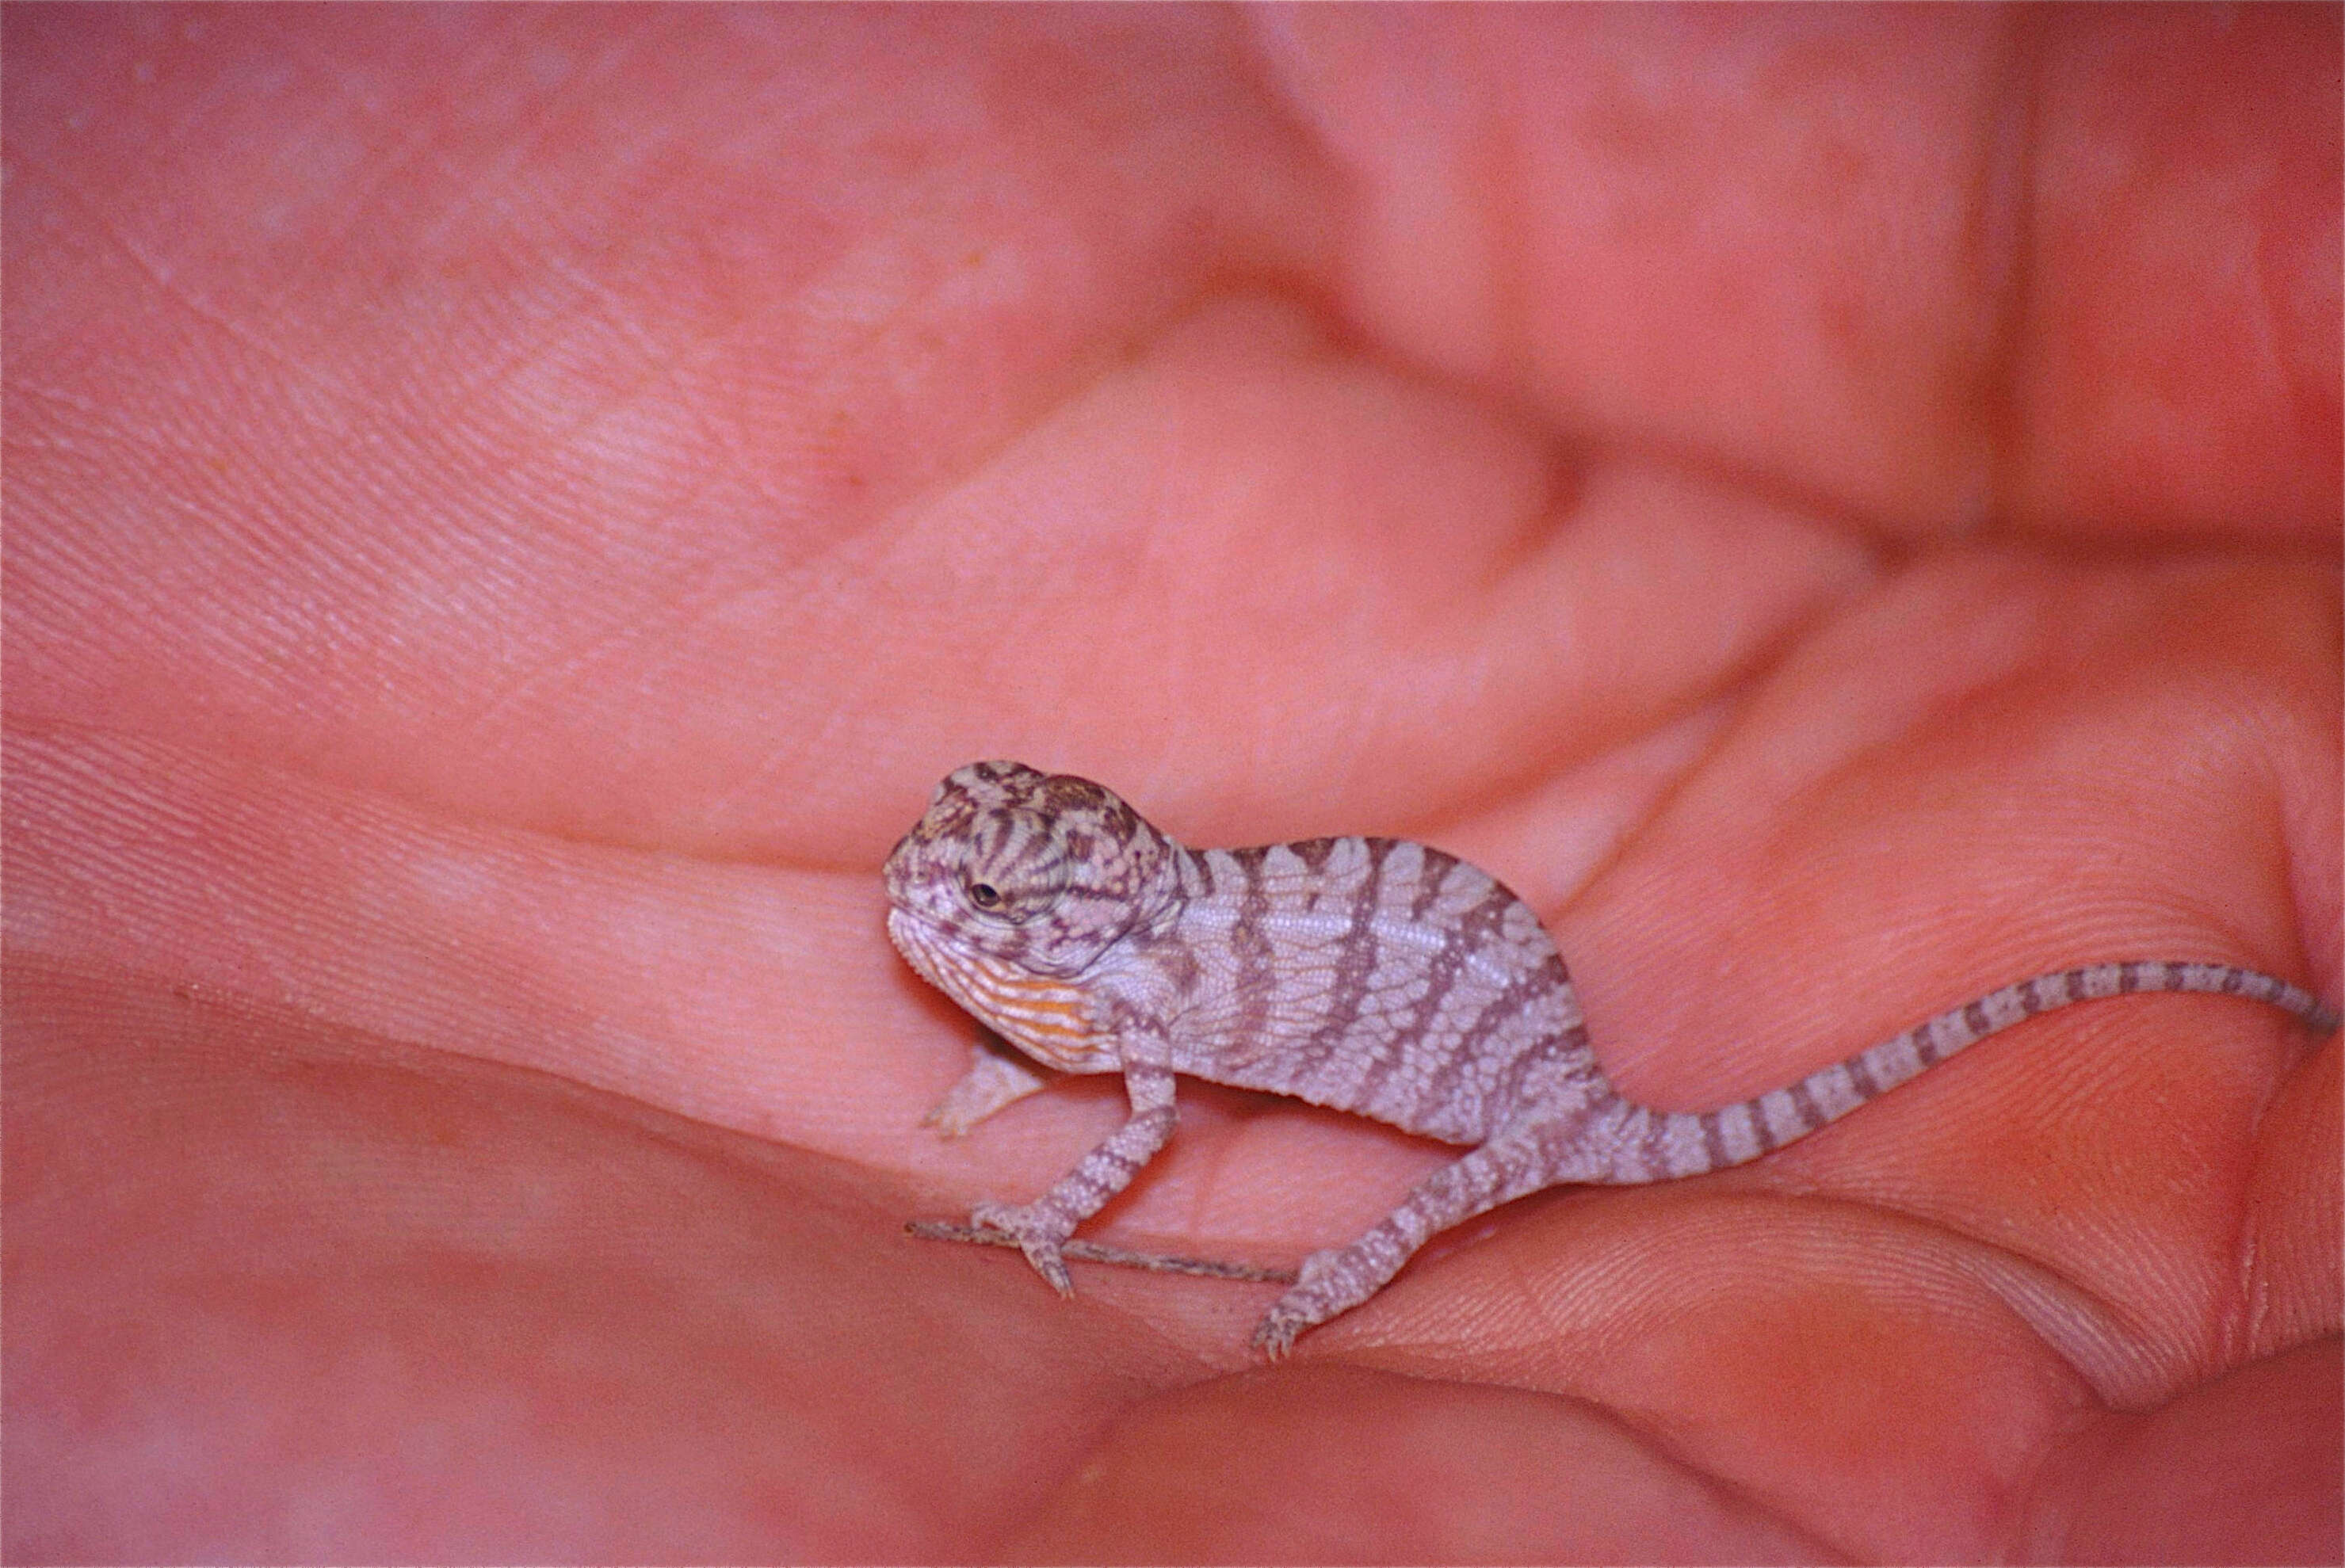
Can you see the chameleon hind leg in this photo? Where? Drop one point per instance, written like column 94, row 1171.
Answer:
column 1335, row 1281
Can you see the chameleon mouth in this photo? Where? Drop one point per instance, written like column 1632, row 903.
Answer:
column 916, row 939
column 1048, row 1020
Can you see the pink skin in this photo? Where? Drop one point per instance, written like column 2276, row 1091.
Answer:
column 509, row 513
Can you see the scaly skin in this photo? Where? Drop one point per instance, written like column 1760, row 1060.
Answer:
column 1375, row 975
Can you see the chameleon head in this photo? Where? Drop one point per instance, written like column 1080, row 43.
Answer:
column 1012, row 885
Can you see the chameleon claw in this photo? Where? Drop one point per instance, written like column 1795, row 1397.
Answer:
column 1048, row 1262
column 1288, row 1317
column 1273, row 1337
column 1041, row 1241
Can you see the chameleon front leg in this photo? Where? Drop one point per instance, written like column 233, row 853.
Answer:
column 1041, row 1228
column 998, row 1075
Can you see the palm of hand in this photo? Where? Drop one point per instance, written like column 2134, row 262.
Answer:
column 447, row 766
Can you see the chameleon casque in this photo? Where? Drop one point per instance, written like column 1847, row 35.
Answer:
column 1373, row 976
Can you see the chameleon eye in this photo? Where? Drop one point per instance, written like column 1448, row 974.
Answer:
column 984, row 895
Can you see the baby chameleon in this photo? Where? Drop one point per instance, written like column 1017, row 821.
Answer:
column 1369, row 975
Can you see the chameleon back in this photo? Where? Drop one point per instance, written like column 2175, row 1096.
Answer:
column 1373, row 976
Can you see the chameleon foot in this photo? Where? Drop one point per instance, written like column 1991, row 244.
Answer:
column 1275, row 1334
column 1322, row 1290
column 1041, row 1236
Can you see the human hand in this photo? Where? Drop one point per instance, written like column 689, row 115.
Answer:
column 510, row 513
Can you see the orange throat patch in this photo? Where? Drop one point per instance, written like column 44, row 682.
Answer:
column 1050, row 1019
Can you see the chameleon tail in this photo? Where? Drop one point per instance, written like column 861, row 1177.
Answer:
column 1655, row 1146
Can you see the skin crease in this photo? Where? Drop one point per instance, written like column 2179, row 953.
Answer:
column 510, row 513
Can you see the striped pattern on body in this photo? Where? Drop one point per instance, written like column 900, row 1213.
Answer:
column 1373, row 976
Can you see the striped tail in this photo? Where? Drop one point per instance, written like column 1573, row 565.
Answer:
column 1655, row 1146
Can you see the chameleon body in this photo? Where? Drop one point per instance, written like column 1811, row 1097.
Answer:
column 1374, row 976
